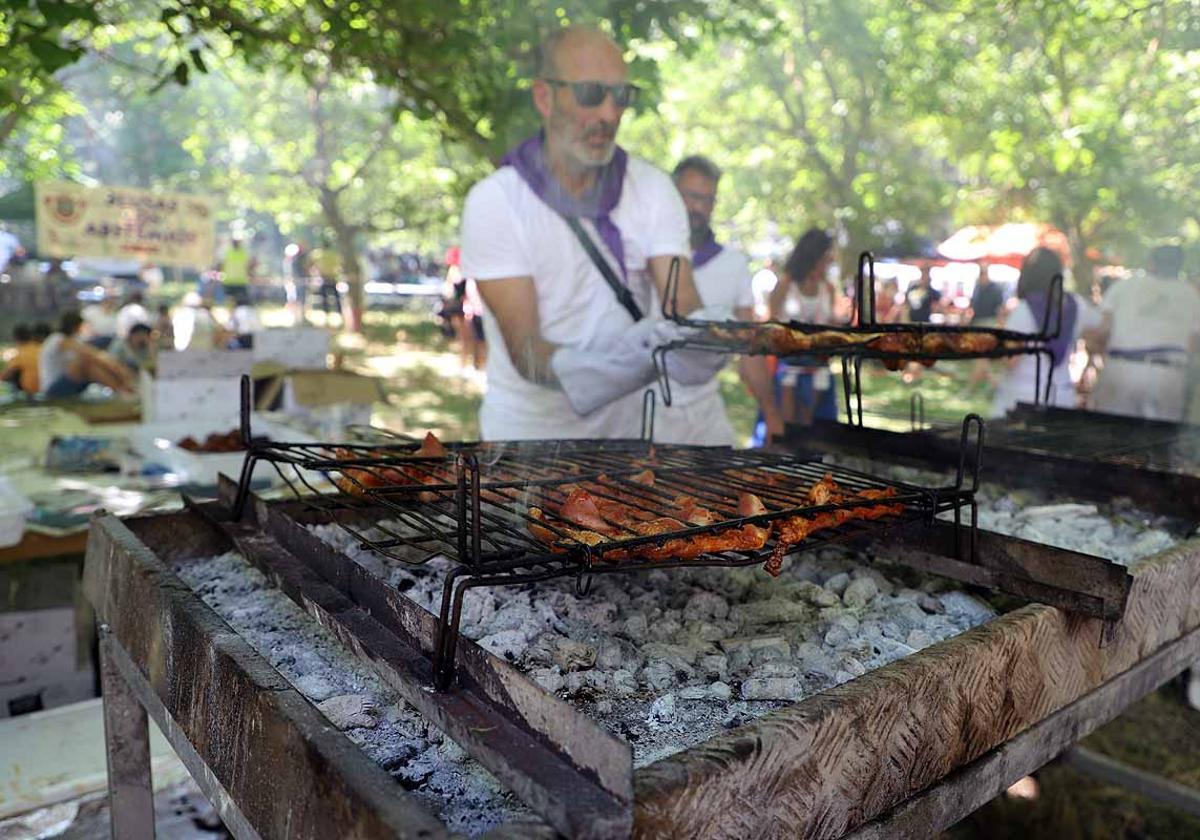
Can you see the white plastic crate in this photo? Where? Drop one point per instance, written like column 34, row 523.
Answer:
column 194, row 386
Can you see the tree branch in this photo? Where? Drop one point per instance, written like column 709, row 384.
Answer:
column 381, row 142
column 799, row 119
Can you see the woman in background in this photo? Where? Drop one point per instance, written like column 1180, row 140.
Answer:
column 805, row 294
column 1033, row 291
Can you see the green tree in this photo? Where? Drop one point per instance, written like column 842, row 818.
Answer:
column 332, row 152
column 1079, row 113
column 810, row 124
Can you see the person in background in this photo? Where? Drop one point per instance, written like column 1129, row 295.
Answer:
column 295, row 277
column 1151, row 324
column 472, row 316
column 888, row 307
column 722, row 277
column 922, row 300
column 67, row 365
column 164, row 328
column 326, row 265
column 762, row 284
column 1079, row 319
column 133, row 312
column 243, row 323
column 806, row 295
column 453, row 312
column 10, row 247
column 568, row 240
column 235, row 271
column 100, row 319
column 58, row 285
column 22, row 368
column 987, row 303
column 136, row 350
column 987, row 299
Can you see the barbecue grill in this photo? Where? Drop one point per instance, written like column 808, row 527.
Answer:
column 497, row 509
column 821, row 767
column 1095, row 455
column 857, row 344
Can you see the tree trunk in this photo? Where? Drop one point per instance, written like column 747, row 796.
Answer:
column 344, row 235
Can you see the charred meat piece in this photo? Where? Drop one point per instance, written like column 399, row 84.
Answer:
column 796, row 529
column 357, row 480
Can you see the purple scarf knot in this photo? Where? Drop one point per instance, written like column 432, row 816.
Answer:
column 706, row 250
column 1060, row 347
column 596, row 204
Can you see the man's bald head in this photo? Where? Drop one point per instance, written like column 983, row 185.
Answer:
column 560, row 47
column 574, row 64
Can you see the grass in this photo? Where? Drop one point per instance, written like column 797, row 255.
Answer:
column 1157, row 734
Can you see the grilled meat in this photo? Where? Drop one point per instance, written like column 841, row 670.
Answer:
column 359, row 479
column 796, row 529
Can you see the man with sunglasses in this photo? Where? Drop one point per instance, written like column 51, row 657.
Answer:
column 722, row 276
column 568, row 241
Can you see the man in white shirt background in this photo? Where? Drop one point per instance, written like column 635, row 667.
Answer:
column 568, row 241
column 100, row 319
column 723, row 281
column 134, row 312
column 1152, row 323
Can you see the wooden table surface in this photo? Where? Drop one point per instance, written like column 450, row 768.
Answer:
column 35, row 546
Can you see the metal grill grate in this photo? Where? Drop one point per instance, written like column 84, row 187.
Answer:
column 856, row 344
column 484, row 505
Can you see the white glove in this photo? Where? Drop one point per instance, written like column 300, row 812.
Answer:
column 687, row 367
column 694, row 367
column 597, row 376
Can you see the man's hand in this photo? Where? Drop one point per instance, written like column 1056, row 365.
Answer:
column 513, row 301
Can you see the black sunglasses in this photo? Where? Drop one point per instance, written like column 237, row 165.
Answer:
column 591, row 94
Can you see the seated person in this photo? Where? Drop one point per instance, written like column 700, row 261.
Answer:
column 135, row 351
column 67, row 365
column 22, row 368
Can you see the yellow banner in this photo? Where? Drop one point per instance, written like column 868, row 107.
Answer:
column 124, row 223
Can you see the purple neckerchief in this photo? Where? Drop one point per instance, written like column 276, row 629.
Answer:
column 707, row 249
column 1060, row 347
column 597, row 204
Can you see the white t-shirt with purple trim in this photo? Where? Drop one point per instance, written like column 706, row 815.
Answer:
column 507, row 231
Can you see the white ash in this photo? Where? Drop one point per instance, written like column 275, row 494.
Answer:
column 667, row 659
column 1117, row 530
column 393, row 734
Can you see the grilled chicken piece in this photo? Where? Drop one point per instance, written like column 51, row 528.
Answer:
column 976, row 342
column 796, row 529
column 357, row 480
column 603, row 520
column 645, row 478
column 431, row 447
column 582, row 509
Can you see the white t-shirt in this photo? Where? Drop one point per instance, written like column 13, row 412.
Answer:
column 244, row 320
column 100, row 321
column 52, row 360
column 507, row 231
column 1022, row 378
column 1149, row 312
column 724, row 282
column 129, row 315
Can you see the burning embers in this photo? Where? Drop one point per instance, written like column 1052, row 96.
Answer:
column 594, row 515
